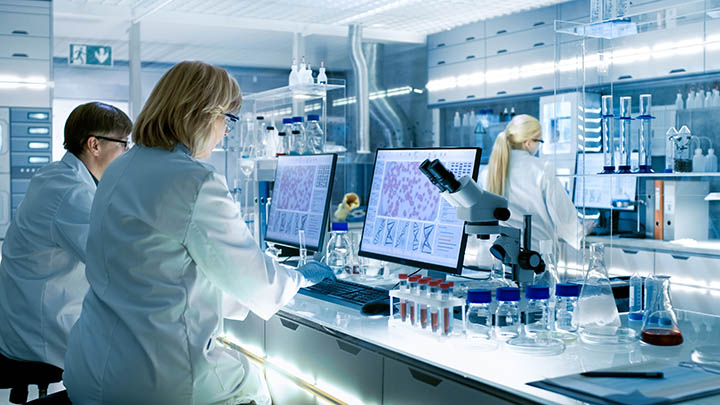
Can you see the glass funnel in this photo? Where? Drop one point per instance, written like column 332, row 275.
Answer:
column 660, row 327
column 597, row 315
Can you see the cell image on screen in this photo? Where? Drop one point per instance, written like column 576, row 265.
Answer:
column 604, row 191
column 407, row 219
column 300, row 199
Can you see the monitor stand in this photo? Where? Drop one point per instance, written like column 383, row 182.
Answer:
column 437, row 274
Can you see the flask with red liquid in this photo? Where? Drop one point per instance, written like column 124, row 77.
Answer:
column 660, row 327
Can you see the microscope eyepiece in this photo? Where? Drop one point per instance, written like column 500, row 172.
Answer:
column 424, row 170
column 443, row 176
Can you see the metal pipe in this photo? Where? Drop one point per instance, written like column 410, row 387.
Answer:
column 360, row 74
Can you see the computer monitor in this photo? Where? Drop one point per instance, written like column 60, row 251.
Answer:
column 602, row 191
column 300, row 199
column 407, row 220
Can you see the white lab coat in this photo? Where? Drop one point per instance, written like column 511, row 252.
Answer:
column 166, row 241
column 532, row 188
column 42, row 273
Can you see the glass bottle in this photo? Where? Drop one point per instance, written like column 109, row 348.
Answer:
column 507, row 314
column 537, row 312
column 260, row 136
column 270, row 141
column 479, row 318
column 660, row 327
column 566, row 295
column 282, row 144
column 299, row 139
column 315, row 135
column 338, row 253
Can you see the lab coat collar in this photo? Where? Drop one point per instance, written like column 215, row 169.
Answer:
column 182, row 148
column 78, row 165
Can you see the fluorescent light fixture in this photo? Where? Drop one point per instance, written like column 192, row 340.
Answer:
column 375, row 11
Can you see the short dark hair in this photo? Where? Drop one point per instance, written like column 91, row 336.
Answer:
column 93, row 118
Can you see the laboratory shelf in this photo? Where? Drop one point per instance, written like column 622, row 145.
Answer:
column 682, row 247
column 300, row 91
column 654, row 175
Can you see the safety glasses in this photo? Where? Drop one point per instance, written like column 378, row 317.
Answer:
column 230, row 121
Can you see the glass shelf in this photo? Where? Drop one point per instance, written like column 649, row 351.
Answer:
column 300, row 91
column 654, row 175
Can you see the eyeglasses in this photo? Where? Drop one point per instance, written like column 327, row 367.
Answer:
column 539, row 140
column 230, row 121
column 124, row 142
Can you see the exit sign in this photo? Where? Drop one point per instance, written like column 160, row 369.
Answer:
column 90, row 55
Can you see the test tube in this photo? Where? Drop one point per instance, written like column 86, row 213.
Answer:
column 625, row 135
column 403, row 288
column 435, row 311
column 446, row 293
column 645, row 135
column 413, row 283
column 303, row 250
column 608, row 136
column 422, row 309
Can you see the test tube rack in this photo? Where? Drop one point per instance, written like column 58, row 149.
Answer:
column 443, row 306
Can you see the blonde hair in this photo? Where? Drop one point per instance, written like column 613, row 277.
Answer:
column 520, row 129
column 184, row 105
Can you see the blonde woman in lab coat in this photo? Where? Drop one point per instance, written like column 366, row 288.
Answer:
column 168, row 256
column 530, row 185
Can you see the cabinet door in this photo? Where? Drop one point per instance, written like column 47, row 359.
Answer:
column 26, row 95
column 522, row 21
column 574, row 10
column 458, row 35
column 521, row 41
column 404, row 384
column 461, row 75
column 626, row 261
column 21, row 24
column 456, row 53
column 4, row 140
column 24, row 47
column 506, row 74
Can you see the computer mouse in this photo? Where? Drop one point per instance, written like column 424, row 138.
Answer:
column 379, row 307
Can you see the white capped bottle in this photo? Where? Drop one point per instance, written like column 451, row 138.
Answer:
column 309, row 75
column 293, row 80
column 698, row 161
column 708, row 99
column 711, row 163
column 636, row 304
column 716, row 98
column 679, row 101
column 322, row 77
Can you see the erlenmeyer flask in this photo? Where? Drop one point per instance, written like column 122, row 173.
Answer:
column 549, row 277
column 597, row 316
column 660, row 327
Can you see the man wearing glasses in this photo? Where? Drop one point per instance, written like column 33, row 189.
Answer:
column 42, row 273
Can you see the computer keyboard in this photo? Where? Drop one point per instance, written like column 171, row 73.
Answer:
column 345, row 293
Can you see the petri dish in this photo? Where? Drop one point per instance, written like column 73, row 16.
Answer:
column 538, row 346
column 608, row 336
column 709, row 355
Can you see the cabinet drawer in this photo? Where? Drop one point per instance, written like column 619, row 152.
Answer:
column 31, row 145
column 626, row 261
column 21, row 25
column 457, row 35
column 31, row 130
column 404, row 384
column 35, row 159
column 20, row 186
column 501, row 81
column 24, row 6
column 458, row 53
column 521, row 41
column 687, row 269
column 522, row 21
column 464, row 90
column 30, row 115
column 25, row 47
column 249, row 332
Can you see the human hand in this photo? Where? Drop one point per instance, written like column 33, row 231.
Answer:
column 316, row 272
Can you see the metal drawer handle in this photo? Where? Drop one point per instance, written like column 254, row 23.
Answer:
column 537, row 88
column 681, row 70
column 470, row 96
column 470, row 57
column 535, row 45
column 469, row 38
column 625, row 77
column 20, row 32
column 441, row 62
column 630, row 252
column 288, row 324
column 426, row 378
column 501, row 92
column 348, row 347
column 502, row 51
column 441, row 44
column 440, row 100
column 680, row 257
column 500, row 32
column 38, row 160
column 19, row 55
column 539, row 23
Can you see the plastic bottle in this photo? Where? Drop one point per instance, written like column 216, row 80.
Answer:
column 302, row 71
column 422, row 309
column 566, row 299
column 283, row 147
column 457, row 121
column 716, row 98
column 270, row 141
column 690, row 102
column 446, row 318
column 507, row 314
column 698, row 161
column 636, row 307
column 670, row 149
column 711, row 163
column 649, row 290
column 679, row 101
column 294, row 77
column 322, row 77
column 708, row 99
column 403, row 287
column 339, row 250
column 299, row 140
column 504, row 116
column 260, row 136
column 314, row 134
column 412, row 289
column 536, row 313
column 479, row 318
column 434, row 292
column 512, row 112
column 309, row 75
column 699, row 98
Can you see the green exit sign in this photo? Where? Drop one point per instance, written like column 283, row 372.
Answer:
column 90, row 55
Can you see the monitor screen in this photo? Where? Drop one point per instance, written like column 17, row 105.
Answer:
column 407, row 220
column 602, row 191
column 300, row 199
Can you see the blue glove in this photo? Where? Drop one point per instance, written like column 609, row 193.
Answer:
column 316, row 272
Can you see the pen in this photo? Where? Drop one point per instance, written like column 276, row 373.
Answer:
column 623, row 374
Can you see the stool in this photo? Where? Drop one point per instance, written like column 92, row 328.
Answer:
column 18, row 375
column 58, row 398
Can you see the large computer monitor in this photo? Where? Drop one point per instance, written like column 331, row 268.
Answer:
column 407, row 220
column 602, row 191
column 300, row 199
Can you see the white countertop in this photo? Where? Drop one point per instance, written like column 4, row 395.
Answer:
column 498, row 365
column 681, row 247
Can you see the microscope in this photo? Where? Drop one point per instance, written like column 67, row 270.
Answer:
column 482, row 211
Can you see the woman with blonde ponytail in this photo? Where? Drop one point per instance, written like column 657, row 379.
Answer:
column 530, row 185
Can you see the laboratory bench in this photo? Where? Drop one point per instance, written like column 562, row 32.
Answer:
column 361, row 359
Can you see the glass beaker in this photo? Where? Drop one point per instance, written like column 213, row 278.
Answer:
column 660, row 327
column 597, row 315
